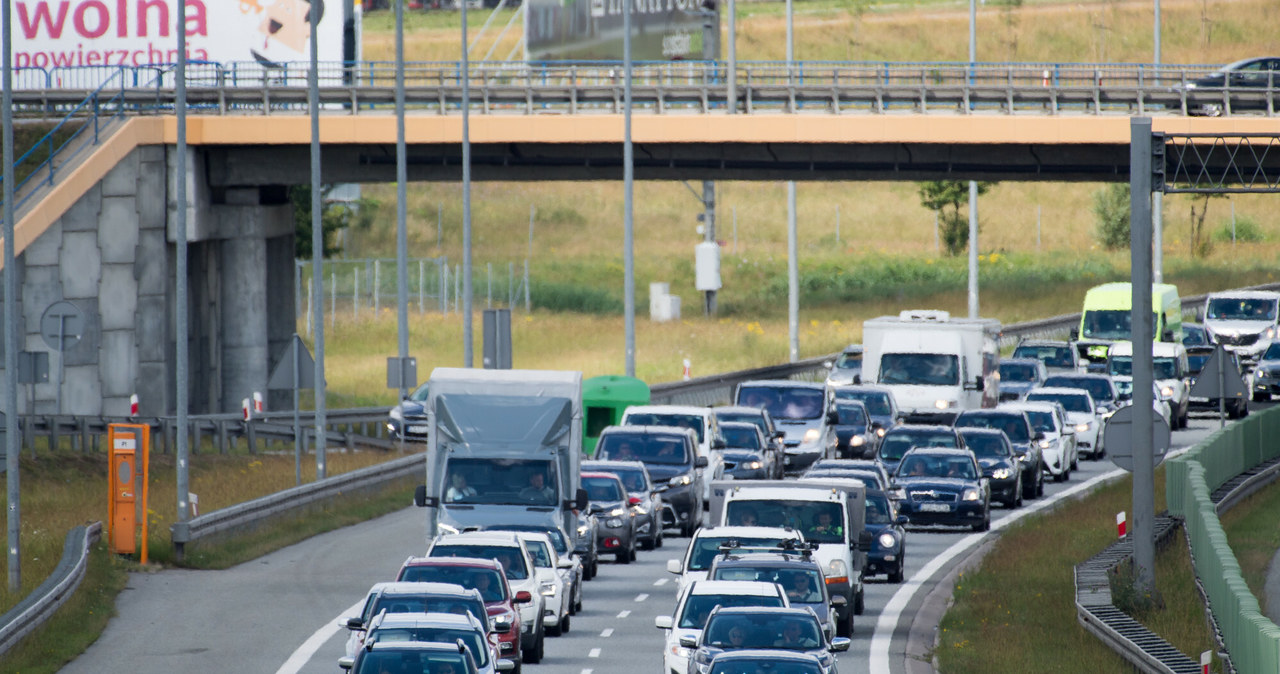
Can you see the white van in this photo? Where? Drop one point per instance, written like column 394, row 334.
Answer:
column 1244, row 321
column 1170, row 372
column 937, row 366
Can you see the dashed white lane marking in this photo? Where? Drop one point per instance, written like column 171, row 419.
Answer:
column 303, row 654
column 624, row 614
column 608, row 632
column 660, row 582
column 586, row 671
column 595, row 653
column 641, row 597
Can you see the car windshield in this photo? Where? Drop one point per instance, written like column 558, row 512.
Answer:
column 602, row 489
column 1111, row 324
column 851, row 415
column 1272, row 352
column 1097, row 388
column 766, row 665
column 925, row 369
column 1069, row 402
column 821, row 521
column 741, row 438
column 1162, row 368
column 895, row 444
column 1196, row 360
column 933, row 465
column 425, row 603
column 1193, row 335
column 656, row 449
column 473, row 639
column 803, row 585
column 791, row 632
column 420, row 395
column 412, row 661
column 706, row 548
column 1241, row 309
column 508, row 555
column 557, row 536
column 1051, row 356
column 698, row 606
column 693, row 422
column 633, row 480
column 878, row 509
column 784, row 402
column 1042, row 421
column 501, row 482
column 1012, row 424
column 756, row 418
column 867, row 479
column 987, row 446
column 1013, row 372
column 486, row 581
column 876, row 402
column 848, row 361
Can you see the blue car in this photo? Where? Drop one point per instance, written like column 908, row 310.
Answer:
column 943, row 486
column 888, row 537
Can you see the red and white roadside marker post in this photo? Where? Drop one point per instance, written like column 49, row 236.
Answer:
column 686, row 373
column 1205, row 658
column 1120, row 524
column 246, row 409
column 257, row 403
column 133, row 405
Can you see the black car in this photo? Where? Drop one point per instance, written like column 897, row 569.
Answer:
column 943, row 486
column 408, row 420
column 879, row 401
column 999, row 463
column 852, row 435
column 1246, row 84
column 747, row 454
column 1026, row 442
column 1057, row 356
column 898, row 440
column 644, row 497
column 671, row 456
column 790, row 566
column 888, row 537
column 761, row 418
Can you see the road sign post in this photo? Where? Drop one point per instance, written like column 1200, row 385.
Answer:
column 295, row 371
column 1218, row 379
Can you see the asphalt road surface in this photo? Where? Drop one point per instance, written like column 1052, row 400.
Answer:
column 280, row 614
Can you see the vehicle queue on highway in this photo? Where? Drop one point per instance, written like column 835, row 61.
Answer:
column 790, row 497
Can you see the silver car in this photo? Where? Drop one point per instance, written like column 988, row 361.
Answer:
column 643, row 496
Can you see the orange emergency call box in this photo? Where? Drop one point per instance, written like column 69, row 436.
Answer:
column 127, row 513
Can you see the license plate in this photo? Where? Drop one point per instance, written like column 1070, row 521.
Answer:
column 417, row 429
column 935, row 508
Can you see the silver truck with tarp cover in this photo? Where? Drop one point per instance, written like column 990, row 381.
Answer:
column 829, row 512
column 504, row 448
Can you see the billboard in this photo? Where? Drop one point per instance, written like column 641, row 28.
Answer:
column 591, row 30
column 51, row 34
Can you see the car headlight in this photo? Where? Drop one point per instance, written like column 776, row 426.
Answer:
column 617, row 512
column 679, row 651
column 396, row 414
column 1001, row 473
column 500, row 619
column 583, row 530
column 812, row 435
column 969, row 494
column 1166, row 392
column 944, row 404
column 887, row 540
column 752, row 465
column 837, row 569
column 857, row 441
column 548, row 589
column 1084, row 428
column 1269, row 333
column 681, row 480
column 880, row 432
column 1046, row 443
column 613, row 522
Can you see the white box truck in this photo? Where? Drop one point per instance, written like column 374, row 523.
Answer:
column 937, row 366
column 504, row 447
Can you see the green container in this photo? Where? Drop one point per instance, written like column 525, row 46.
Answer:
column 604, row 399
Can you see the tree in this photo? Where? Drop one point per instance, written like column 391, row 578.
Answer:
column 1111, row 208
column 1201, row 243
column 947, row 198
column 334, row 215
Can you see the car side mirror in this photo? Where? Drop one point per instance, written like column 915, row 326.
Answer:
column 421, row 499
column 700, row 462
column 346, row 663
column 840, row 644
column 688, row 641
column 675, row 566
column 580, row 499
column 838, row 600
column 902, row 520
column 864, row 540
column 505, row 665
column 502, row 628
column 978, row 383
column 1075, row 333
column 833, row 418
column 662, row 622
column 564, row 564
column 718, row 443
column 523, row 597
column 356, row 623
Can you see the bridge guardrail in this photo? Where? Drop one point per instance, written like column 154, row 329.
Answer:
column 40, row 605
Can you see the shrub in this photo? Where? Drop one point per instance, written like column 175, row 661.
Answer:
column 1111, row 208
column 1247, row 231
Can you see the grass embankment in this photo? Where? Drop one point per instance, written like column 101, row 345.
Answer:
column 1251, row 530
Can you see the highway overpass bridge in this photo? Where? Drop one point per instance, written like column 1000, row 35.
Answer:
column 96, row 224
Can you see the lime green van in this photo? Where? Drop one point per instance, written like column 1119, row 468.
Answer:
column 1105, row 318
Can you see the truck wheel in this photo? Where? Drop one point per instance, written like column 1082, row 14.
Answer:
column 859, row 605
column 898, row 573
column 845, row 627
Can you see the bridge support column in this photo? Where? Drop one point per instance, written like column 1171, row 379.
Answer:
column 244, row 324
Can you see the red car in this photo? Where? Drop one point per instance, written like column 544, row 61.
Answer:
column 485, row 575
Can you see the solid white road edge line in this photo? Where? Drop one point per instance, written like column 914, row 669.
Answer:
column 880, row 640
column 313, row 643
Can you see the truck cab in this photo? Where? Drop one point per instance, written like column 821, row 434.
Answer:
column 1243, row 321
column 504, row 448
column 831, row 514
column 1107, row 315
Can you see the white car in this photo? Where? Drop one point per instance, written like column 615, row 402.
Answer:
column 520, row 572
column 1058, row 450
column 567, row 557
column 1170, row 372
column 706, row 542
column 701, row 420
column 694, row 604
column 555, row 580
column 1081, row 412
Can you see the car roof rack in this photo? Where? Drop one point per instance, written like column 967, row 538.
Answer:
column 790, row 546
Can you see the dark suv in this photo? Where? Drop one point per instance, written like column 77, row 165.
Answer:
column 1017, row 426
column 671, row 456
